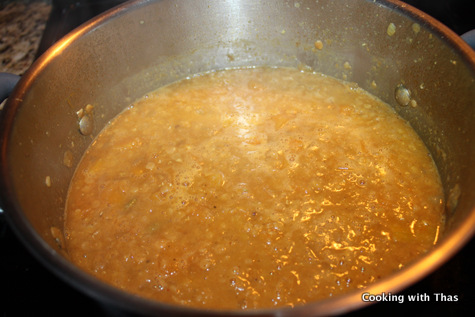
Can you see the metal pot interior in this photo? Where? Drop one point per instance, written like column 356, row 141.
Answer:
column 139, row 46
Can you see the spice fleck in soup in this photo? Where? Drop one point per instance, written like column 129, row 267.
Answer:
column 253, row 188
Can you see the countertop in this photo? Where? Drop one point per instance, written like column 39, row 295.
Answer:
column 21, row 26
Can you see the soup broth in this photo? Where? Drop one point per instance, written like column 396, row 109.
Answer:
column 253, row 188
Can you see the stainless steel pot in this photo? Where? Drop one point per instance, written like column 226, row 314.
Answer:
column 421, row 68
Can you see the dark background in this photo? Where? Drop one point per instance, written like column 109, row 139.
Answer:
column 29, row 289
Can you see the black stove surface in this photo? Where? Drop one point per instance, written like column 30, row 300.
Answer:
column 68, row 14
column 30, row 289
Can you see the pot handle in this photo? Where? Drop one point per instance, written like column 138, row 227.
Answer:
column 469, row 37
column 7, row 83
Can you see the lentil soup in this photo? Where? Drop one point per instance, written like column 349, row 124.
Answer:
column 253, row 188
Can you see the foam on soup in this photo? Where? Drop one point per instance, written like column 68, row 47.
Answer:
column 253, row 188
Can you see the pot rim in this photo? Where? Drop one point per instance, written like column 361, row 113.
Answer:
column 89, row 285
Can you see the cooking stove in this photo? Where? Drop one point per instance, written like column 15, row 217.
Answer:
column 31, row 289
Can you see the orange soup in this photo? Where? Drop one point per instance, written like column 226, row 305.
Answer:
column 253, row 188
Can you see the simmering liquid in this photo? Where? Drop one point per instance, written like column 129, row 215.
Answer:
column 253, row 188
